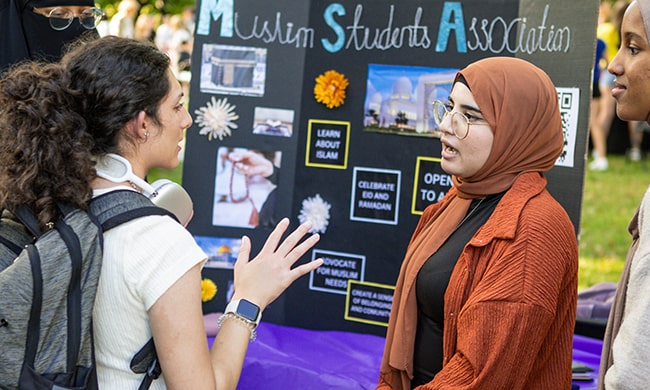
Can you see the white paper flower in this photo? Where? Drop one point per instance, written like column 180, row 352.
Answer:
column 216, row 118
column 317, row 211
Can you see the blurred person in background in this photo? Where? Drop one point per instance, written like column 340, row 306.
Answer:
column 609, row 26
column 180, row 38
column 145, row 28
column 123, row 22
column 597, row 130
column 189, row 18
column 164, row 33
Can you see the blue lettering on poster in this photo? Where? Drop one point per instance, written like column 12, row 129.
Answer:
column 446, row 26
column 524, row 34
column 334, row 8
column 216, row 9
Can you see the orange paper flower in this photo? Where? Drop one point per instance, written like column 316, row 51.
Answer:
column 330, row 89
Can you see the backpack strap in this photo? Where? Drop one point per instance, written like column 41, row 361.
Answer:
column 74, row 290
column 145, row 361
column 113, row 209
column 27, row 217
column 33, row 324
column 117, row 207
column 74, row 314
column 12, row 246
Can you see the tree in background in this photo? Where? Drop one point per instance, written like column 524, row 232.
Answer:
column 167, row 7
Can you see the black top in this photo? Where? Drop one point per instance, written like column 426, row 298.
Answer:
column 430, row 287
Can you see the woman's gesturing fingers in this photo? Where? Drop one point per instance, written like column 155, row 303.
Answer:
column 264, row 278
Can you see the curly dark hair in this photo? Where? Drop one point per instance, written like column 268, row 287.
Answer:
column 44, row 147
column 115, row 78
column 55, row 117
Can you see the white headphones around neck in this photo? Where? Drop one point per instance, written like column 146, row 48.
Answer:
column 163, row 193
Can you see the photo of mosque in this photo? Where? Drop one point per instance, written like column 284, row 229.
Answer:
column 399, row 98
column 222, row 252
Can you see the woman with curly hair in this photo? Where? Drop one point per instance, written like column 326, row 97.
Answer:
column 116, row 99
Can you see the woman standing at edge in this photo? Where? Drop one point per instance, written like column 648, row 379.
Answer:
column 625, row 358
column 125, row 96
column 486, row 295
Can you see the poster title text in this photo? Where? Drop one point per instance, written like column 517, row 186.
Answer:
column 524, row 34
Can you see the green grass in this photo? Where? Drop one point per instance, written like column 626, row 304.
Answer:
column 174, row 175
column 609, row 201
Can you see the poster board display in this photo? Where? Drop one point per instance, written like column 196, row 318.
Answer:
column 362, row 166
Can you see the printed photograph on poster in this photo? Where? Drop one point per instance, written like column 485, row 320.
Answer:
column 369, row 303
column 222, row 251
column 273, row 121
column 399, row 99
column 569, row 100
column 375, row 195
column 233, row 70
column 431, row 183
column 327, row 144
column 245, row 192
column 337, row 269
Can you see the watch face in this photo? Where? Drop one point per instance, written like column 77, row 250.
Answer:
column 248, row 310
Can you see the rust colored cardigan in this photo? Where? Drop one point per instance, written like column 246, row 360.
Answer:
column 511, row 301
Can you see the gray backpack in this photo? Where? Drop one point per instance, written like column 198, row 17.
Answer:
column 48, row 282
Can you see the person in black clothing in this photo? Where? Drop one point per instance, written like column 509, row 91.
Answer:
column 40, row 29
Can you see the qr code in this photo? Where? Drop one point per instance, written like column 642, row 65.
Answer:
column 565, row 100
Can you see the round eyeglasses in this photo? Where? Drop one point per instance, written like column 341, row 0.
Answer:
column 459, row 122
column 61, row 18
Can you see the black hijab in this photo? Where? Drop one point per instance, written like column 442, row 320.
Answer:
column 28, row 35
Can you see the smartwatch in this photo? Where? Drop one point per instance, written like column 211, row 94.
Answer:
column 246, row 310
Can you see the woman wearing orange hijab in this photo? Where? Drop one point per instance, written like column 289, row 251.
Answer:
column 486, row 295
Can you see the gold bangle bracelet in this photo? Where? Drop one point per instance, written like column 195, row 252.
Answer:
column 249, row 325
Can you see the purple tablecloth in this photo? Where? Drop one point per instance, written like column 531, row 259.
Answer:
column 287, row 358
column 587, row 351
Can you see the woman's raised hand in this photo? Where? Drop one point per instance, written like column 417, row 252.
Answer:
column 264, row 278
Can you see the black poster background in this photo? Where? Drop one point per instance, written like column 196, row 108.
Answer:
column 291, row 69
